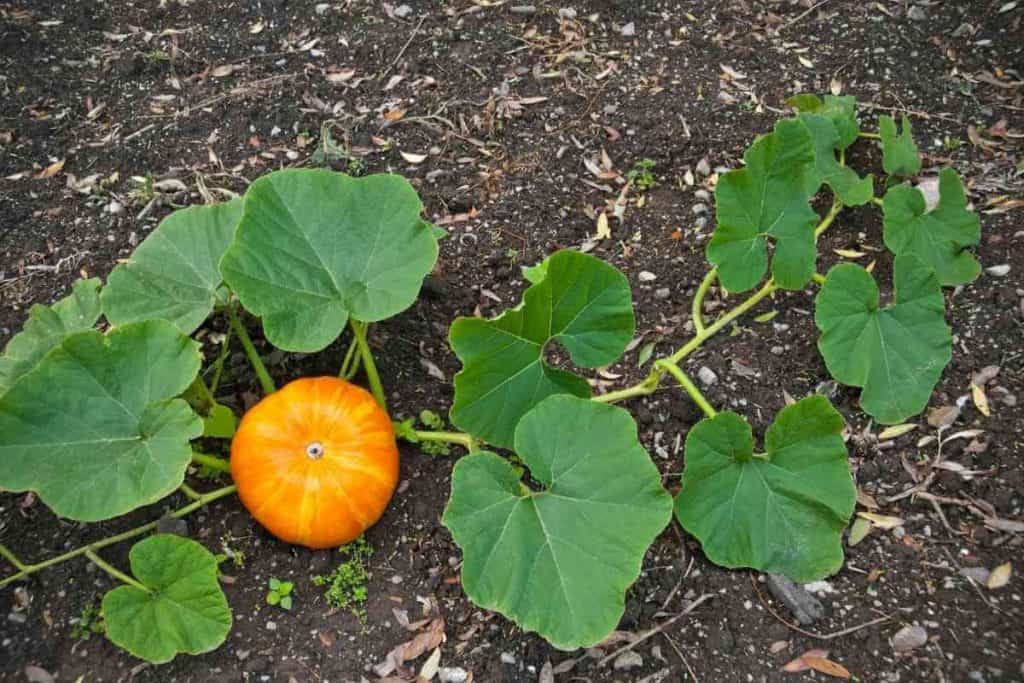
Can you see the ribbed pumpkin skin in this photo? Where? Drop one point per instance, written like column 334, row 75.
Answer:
column 316, row 502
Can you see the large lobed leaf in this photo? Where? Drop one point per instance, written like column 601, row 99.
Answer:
column 46, row 327
column 899, row 152
column 173, row 275
column 783, row 512
column 183, row 608
column 897, row 353
column 314, row 247
column 558, row 561
column 580, row 301
column 767, row 200
column 94, row 428
column 940, row 237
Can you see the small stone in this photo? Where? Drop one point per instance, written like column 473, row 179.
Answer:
column 628, row 660
column 115, row 207
column 172, row 525
column 699, row 208
column 805, row 607
column 706, row 376
column 909, row 638
column 703, row 167
column 662, row 293
column 452, row 674
column 243, row 655
column 508, row 658
column 629, row 30
column 321, row 8
column 567, row 13
column 522, row 9
column 402, row 11
column 271, row 626
column 646, row 276
column 17, row 617
column 778, row 350
column 917, row 13
column 998, row 271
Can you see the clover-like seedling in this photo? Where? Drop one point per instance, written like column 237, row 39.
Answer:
column 280, row 593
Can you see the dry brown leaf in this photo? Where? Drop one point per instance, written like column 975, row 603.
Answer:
column 943, row 416
column 797, row 665
column 50, row 171
column 980, row 400
column 827, row 667
column 1000, row 576
column 603, row 231
column 414, row 158
column 881, row 521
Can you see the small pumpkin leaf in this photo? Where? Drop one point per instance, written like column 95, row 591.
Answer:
column 939, row 237
column 558, row 560
column 95, row 429
column 899, row 152
column 173, row 275
column 851, row 189
column 286, row 602
column 767, row 199
column 314, row 247
column 273, row 597
column 580, row 301
column 896, row 354
column 183, row 608
column 46, row 327
column 840, row 110
column 220, row 423
column 781, row 512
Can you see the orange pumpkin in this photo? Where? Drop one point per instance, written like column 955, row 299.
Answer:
column 316, row 462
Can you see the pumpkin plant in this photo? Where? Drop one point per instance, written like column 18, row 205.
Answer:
column 551, row 538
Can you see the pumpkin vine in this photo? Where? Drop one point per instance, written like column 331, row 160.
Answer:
column 308, row 253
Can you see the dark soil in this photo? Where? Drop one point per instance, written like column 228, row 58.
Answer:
column 132, row 89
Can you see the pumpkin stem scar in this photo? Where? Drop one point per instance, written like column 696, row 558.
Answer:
column 315, row 450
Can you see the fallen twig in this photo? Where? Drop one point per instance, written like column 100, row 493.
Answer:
column 656, row 630
column 811, row 634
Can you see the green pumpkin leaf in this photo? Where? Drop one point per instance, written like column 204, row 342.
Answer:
column 582, row 302
column 220, row 423
column 899, row 153
column 173, row 275
column 768, row 199
column 95, row 429
column 896, row 353
column 841, row 110
column 183, row 608
column 851, row 189
column 46, row 327
column 781, row 512
column 558, row 561
column 940, row 237
column 314, row 247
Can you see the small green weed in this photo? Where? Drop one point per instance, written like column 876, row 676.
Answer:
column 346, row 585
column 237, row 557
column 641, row 175
column 90, row 621
column 280, row 593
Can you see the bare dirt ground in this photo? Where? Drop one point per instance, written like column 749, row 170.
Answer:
column 113, row 112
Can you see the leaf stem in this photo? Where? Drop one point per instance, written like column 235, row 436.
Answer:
column 114, row 571
column 464, row 440
column 819, row 278
column 686, row 383
column 12, row 558
column 869, row 136
column 348, row 366
column 698, row 300
column 26, row 569
column 359, row 331
column 190, row 492
column 202, row 394
column 650, row 383
column 218, row 365
column 213, row 462
column 837, row 206
column 876, row 201
column 254, row 358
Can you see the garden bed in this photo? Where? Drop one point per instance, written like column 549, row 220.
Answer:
column 499, row 118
